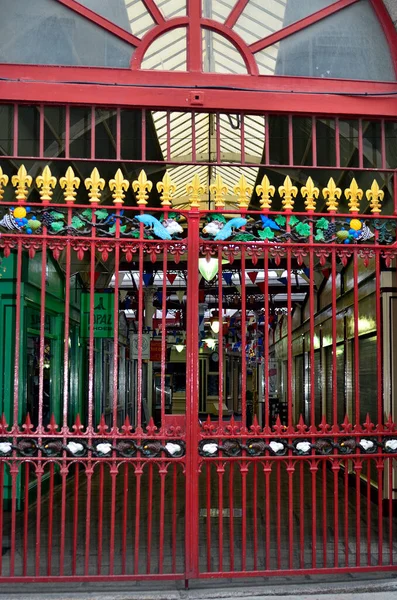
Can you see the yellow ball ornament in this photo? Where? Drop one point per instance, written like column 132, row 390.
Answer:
column 19, row 212
column 355, row 224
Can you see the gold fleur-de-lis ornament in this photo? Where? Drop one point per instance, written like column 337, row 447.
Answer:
column 332, row 194
column 287, row 193
column 375, row 197
column 141, row 187
column 22, row 181
column 219, row 190
column 195, row 190
column 70, row 184
column 354, row 194
column 45, row 182
column 168, row 189
column 95, row 184
column 265, row 192
column 243, row 191
column 310, row 192
column 118, row 186
column 3, row 183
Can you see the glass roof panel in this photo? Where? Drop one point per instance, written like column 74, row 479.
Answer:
column 218, row 10
column 131, row 15
column 51, row 34
column 167, row 52
column 205, row 126
column 349, row 44
column 262, row 18
column 172, row 8
column 220, row 56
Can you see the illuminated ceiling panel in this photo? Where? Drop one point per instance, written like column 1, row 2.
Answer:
column 175, row 139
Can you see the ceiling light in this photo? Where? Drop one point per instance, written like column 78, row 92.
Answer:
column 215, row 325
column 211, row 343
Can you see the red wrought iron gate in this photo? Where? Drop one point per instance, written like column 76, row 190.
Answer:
column 242, row 483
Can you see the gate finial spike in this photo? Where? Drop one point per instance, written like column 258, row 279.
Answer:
column 22, row 181
column 45, row 182
column 3, row 424
column 102, row 427
column 52, row 426
column 28, row 425
column 354, row 194
column 141, row 186
column 287, row 193
column 3, row 182
column 69, row 183
column 95, row 183
column 168, row 187
column 265, row 191
column 126, row 428
column 310, row 192
column 118, row 185
column 374, row 196
column 333, row 193
column 195, row 189
column 78, row 426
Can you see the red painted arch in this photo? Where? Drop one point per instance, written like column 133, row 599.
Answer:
column 179, row 22
column 135, row 86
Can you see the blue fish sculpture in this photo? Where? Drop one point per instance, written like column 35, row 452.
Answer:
column 158, row 229
column 266, row 222
column 227, row 230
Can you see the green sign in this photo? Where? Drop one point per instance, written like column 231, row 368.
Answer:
column 103, row 315
column 34, row 320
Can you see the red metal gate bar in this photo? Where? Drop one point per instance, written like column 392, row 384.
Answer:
column 220, row 338
column 243, row 342
column 266, row 325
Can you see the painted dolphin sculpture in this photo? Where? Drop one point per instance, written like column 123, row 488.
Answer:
column 227, row 230
column 158, row 229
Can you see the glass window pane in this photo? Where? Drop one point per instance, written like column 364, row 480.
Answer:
column 372, row 145
column 260, row 19
column 278, row 140
column 302, row 130
column 55, row 35
column 130, row 15
column 348, row 142
column 153, row 148
column 391, row 144
column 28, row 130
column 180, row 136
column 80, row 132
column 6, row 128
column 218, row 10
column 326, row 144
column 349, row 44
column 105, row 133
column 254, row 138
column 230, row 138
column 172, row 8
column 54, row 131
column 219, row 55
column 131, row 134
column 168, row 52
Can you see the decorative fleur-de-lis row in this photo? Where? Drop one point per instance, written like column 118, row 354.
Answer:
column 142, row 186
column 331, row 193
